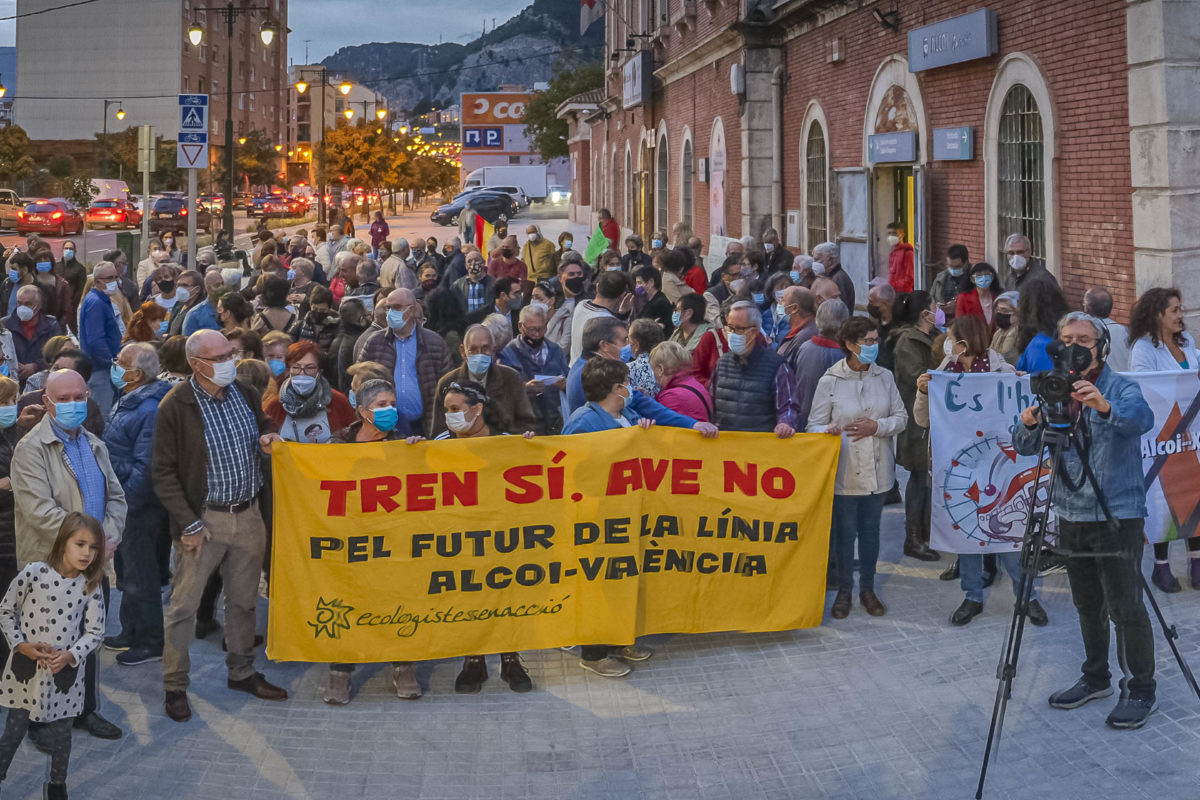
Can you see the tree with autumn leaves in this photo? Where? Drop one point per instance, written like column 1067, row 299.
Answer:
column 368, row 156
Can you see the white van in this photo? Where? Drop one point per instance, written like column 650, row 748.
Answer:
column 110, row 189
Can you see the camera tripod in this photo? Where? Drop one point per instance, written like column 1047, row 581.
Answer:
column 1060, row 438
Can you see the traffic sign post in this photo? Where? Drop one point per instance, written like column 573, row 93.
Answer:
column 147, row 151
column 191, row 154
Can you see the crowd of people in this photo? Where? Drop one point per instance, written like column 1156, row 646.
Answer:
column 138, row 408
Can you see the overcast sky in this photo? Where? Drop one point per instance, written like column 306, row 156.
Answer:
column 331, row 24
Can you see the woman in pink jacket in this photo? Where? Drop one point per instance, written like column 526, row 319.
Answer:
column 681, row 391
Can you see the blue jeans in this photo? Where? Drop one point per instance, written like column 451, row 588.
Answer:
column 103, row 391
column 856, row 517
column 970, row 573
column 141, row 596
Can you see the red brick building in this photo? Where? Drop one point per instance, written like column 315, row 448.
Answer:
column 829, row 119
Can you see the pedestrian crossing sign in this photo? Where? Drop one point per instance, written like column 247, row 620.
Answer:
column 193, row 112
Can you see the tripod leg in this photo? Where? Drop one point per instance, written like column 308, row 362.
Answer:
column 1170, row 634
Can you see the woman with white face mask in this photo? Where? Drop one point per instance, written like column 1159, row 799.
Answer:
column 469, row 415
column 308, row 409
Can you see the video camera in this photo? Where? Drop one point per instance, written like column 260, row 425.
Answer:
column 1053, row 387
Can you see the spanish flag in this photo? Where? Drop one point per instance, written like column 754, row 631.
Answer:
column 484, row 231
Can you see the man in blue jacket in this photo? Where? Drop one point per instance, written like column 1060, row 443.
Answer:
column 1114, row 417
column 100, row 334
column 604, row 337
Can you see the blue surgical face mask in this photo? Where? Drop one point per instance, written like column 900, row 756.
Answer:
column 68, row 254
column 14, row 275
column 759, row 298
column 163, row 327
column 117, row 373
column 627, row 353
column 303, row 384
column 8, row 416
column 45, row 266
column 656, row 243
column 738, row 343
column 479, row 363
column 514, row 302
column 70, row 414
column 277, row 365
column 868, row 353
column 676, row 318
column 395, row 319
column 351, row 397
column 955, row 272
column 291, row 274
column 794, row 275
column 385, row 418
column 25, row 313
column 982, row 281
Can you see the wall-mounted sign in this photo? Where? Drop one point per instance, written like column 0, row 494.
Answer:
column 952, row 144
column 483, row 138
column 953, row 41
column 636, row 75
column 892, row 148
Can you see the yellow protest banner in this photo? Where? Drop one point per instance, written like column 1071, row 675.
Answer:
column 390, row 551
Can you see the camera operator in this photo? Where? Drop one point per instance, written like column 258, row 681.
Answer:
column 1113, row 416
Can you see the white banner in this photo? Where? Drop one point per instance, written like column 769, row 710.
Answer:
column 982, row 490
column 1171, row 454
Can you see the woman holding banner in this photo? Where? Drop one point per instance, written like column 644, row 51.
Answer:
column 470, row 415
column 1160, row 344
column 966, row 350
column 376, row 422
column 857, row 399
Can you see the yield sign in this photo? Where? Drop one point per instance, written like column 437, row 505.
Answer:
column 193, row 150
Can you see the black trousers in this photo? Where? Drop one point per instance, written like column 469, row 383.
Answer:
column 1110, row 587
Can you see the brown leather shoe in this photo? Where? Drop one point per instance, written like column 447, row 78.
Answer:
column 841, row 605
column 177, row 706
column 873, row 605
column 258, row 686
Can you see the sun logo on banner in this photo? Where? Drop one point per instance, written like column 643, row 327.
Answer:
column 987, row 492
column 332, row 618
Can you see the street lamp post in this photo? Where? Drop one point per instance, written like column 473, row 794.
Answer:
column 195, row 35
column 120, row 116
column 302, row 87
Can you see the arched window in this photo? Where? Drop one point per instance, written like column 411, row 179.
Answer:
column 627, row 207
column 1020, row 169
column 661, row 201
column 815, row 186
column 686, row 179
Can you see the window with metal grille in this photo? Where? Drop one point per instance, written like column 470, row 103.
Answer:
column 687, row 176
column 815, row 188
column 661, row 200
column 1021, row 195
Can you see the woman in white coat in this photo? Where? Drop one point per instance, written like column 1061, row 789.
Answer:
column 858, row 400
column 1159, row 343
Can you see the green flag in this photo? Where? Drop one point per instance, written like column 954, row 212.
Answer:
column 597, row 244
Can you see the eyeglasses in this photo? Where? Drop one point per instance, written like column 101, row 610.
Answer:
column 867, row 342
column 747, row 329
column 299, row 369
column 230, row 356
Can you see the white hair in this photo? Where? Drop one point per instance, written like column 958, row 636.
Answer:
column 752, row 310
column 144, row 358
column 802, row 262
column 343, row 256
column 826, row 248
column 533, row 309
column 1080, row 316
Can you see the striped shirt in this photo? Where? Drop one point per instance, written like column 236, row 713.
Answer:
column 231, row 436
column 476, row 296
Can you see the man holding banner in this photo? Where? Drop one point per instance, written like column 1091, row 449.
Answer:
column 1103, row 586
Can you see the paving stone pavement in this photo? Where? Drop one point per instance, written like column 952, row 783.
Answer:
column 891, row 707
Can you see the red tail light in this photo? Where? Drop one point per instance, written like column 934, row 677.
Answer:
column 183, row 212
column 56, row 215
column 20, row 215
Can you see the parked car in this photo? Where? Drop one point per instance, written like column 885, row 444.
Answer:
column 212, row 203
column 558, row 195
column 515, row 192
column 11, row 207
column 170, row 214
column 241, row 200
column 54, row 216
column 489, row 205
column 113, row 213
column 254, row 205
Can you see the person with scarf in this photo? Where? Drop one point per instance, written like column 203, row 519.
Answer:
column 308, row 409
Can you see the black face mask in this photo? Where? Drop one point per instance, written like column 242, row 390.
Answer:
column 1003, row 321
column 574, row 284
column 166, row 287
column 534, row 343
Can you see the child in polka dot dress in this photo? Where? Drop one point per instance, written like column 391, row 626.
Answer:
column 52, row 616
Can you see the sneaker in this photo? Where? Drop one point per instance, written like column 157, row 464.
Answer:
column 1078, row 694
column 512, row 672
column 470, row 679
column 1037, row 615
column 1131, row 714
column 1050, row 562
column 138, row 655
column 607, row 667
column 968, row 611
column 337, row 691
column 1164, row 580
column 631, row 652
column 118, row 644
column 404, row 679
